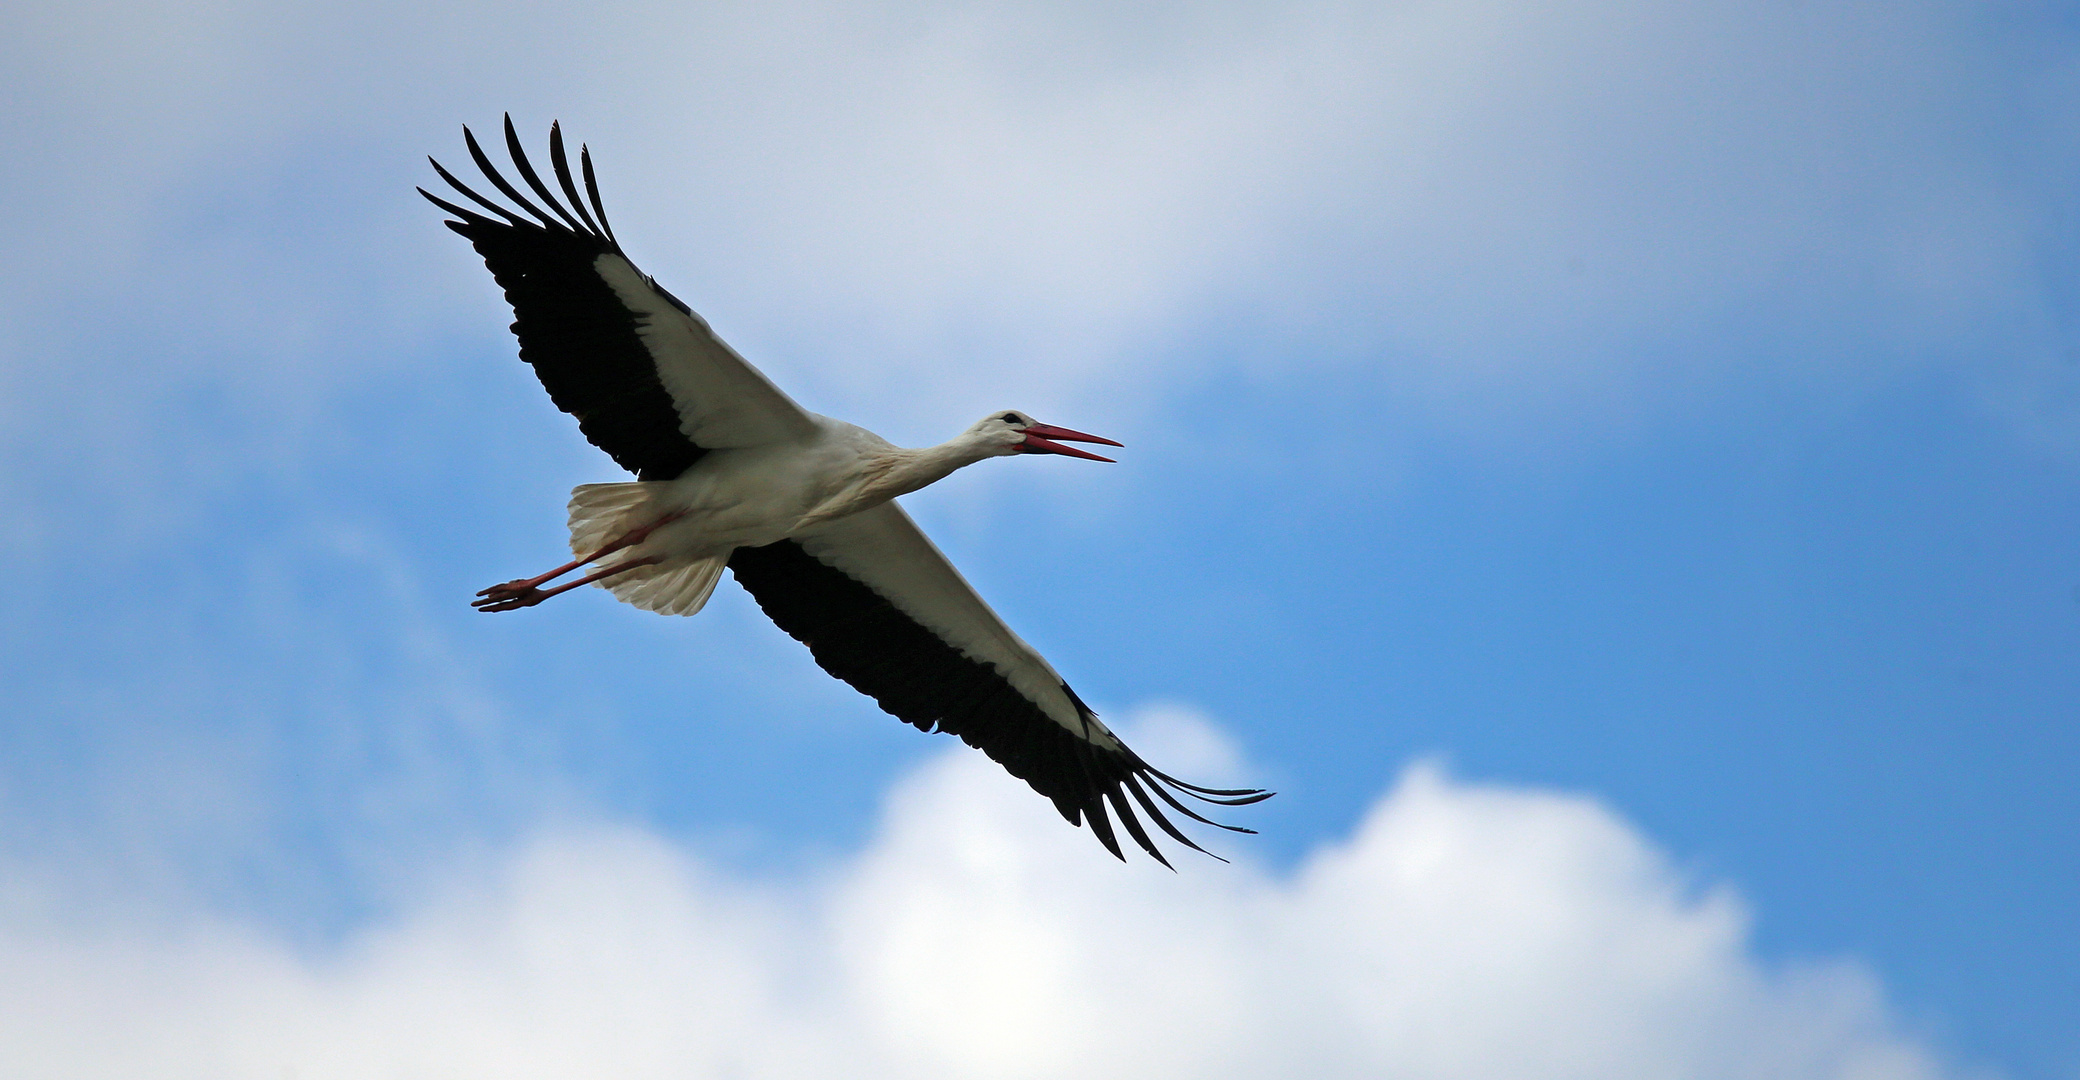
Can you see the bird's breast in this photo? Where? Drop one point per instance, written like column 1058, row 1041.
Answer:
column 755, row 496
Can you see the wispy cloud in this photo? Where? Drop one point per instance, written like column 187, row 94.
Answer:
column 1461, row 931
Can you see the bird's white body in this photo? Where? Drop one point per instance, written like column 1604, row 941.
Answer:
column 754, row 496
column 758, row 495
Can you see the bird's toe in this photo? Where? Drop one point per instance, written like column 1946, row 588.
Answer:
column 511, row 596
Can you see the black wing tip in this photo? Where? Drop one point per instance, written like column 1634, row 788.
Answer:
column 1138, row 779
column 1221, row 796
column 558, row 218
column 469, row 218
column 534, row 180
column 592, row 192
column 560, row 161
column 1131, row 773
column 1103, row 828
column 1128, row 818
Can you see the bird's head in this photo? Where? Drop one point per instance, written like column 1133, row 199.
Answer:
column 1013, row 432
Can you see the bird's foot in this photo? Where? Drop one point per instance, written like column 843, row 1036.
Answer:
column 511, row 596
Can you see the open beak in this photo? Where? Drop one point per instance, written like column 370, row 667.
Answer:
column 1040, row 440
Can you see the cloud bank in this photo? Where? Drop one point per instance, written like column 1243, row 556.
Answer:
column 1461, row 932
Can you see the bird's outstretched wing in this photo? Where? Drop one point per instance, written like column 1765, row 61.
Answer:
column 882, row 609
column 648, row 381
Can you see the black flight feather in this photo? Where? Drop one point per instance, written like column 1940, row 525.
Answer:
column 581, row 340
column 527, row 173
column 563, row 175
column 858, row 636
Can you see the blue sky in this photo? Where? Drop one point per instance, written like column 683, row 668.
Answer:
column 1610, row 465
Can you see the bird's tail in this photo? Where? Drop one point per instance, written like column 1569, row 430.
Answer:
column 679, row 587
column 601, row 513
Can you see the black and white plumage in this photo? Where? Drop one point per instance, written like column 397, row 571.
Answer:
column 730, row 472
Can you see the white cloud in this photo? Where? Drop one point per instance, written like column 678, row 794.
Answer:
column 1462, row 931
column 1522, row 219
column 932, row 209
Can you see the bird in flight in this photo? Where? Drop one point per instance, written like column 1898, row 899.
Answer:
column 800, row 508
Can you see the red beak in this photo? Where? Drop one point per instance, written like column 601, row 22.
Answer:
column 1039, row 440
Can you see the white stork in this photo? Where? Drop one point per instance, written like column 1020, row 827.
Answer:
column 730, row 472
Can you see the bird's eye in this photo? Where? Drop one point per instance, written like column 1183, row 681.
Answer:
column 1009, row 418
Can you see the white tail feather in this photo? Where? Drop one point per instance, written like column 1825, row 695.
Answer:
column 675, row 588
column 601, row 513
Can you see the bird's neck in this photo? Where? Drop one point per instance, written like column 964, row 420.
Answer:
column 934, row 463
column 882, row 472
column 913, row 469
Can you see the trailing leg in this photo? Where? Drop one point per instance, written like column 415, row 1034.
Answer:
column 508, row 598
column 493, row 598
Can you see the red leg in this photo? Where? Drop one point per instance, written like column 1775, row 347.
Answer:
column 530, row 596
column 511, row 590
